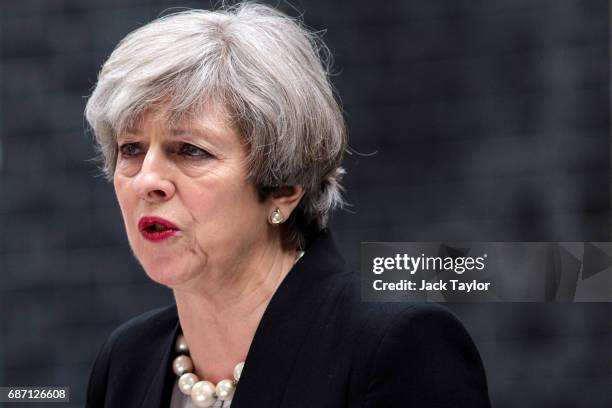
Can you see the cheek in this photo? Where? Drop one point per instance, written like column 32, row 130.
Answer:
column 127, row 167
column 230, row 210
column 127, row 202
column 121, row 190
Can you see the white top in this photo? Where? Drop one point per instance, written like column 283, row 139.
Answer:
column 180, row 400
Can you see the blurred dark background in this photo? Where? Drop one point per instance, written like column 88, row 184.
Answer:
column 489, row 119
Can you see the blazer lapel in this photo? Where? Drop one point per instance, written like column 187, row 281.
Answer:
column 159, row 391
column 285, row 324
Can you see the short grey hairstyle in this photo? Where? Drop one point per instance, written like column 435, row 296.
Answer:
column 269, row 72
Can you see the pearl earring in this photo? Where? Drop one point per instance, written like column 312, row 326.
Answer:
column 276, row 217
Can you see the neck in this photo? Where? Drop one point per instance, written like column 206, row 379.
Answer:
column 220, row 313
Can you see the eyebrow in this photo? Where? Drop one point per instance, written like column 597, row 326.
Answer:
column 208, row 133
column 181, row 131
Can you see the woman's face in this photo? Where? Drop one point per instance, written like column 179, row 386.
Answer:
column 194, row 176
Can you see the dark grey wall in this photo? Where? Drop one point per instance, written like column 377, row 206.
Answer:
column 490, row 120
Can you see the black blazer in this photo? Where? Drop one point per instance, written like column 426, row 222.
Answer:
column 317, row 345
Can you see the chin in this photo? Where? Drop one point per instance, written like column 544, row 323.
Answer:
column 169, row 271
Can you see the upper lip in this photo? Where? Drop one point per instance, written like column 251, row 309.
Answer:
column 146, row 222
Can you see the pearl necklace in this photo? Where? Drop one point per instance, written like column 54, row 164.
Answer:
column 203, row 393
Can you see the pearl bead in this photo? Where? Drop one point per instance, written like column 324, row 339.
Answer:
column 238, row 371
column 186, row 382
column 203, row 394
column 181, row 344
column 225, row 389
column 182, row 365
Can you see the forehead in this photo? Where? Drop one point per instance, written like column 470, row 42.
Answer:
column 212, row 120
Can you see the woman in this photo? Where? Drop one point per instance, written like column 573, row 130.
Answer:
column 223, row 140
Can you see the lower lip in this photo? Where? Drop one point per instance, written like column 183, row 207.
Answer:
column 157, row 236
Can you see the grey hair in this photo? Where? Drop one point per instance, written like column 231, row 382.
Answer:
column 269, row 72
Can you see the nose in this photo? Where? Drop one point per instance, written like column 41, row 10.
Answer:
column 153, row 183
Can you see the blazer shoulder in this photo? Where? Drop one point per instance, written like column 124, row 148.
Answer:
column 382, row 317
column 377, row 317
column 425, row 356
column 407, row 353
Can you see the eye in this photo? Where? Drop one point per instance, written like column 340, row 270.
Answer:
column 190, row 150
column 129, row 149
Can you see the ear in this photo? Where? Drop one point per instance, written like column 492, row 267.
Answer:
column 286, row 199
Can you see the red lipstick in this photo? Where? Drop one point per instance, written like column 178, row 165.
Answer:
column 156, row 229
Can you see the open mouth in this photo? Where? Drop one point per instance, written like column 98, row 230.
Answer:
column 156, row 229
